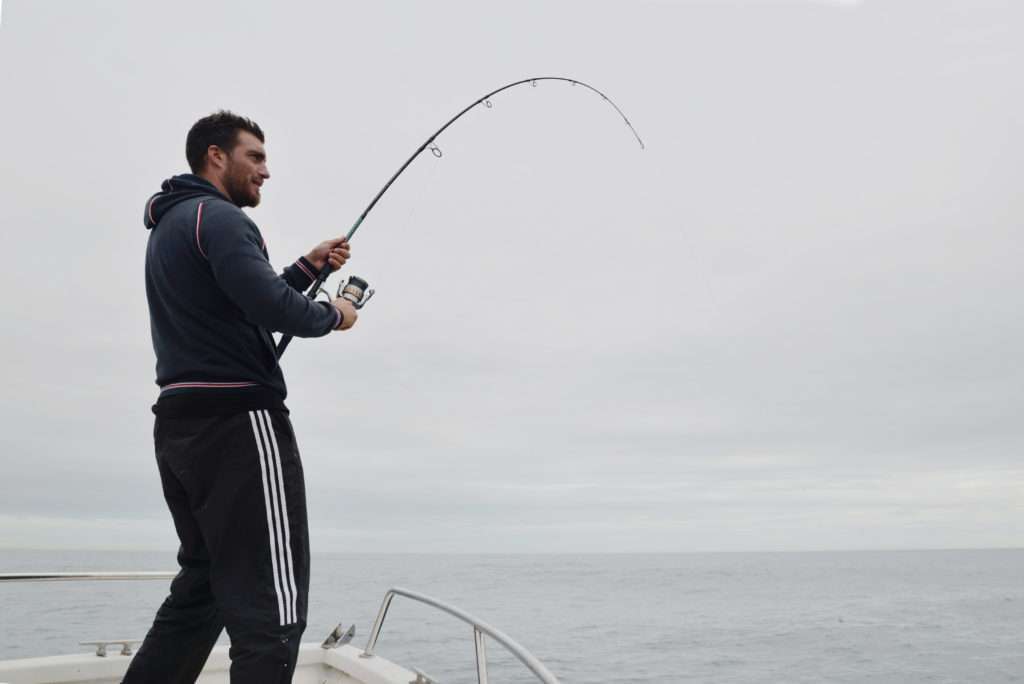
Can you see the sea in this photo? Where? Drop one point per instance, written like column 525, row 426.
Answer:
column 852, row 616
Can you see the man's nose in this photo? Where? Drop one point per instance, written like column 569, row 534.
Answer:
column 265, row 172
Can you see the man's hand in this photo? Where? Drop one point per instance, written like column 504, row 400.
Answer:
column 348, row 313
column 335, row 251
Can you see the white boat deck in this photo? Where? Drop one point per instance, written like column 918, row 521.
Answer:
column 316, row 665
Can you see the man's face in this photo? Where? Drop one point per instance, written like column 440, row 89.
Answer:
column 245, row 171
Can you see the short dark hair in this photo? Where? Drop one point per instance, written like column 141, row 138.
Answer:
column 220, row 129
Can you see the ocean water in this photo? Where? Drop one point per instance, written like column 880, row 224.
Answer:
column 913, row 616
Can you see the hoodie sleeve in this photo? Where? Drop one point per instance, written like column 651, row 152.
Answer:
column 301, row 274
column 229, row 241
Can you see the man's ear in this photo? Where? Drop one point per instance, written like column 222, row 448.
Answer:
column 216, row 157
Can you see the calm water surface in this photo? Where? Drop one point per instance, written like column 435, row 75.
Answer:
column 915, row 616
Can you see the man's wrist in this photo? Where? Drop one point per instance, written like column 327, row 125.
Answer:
column 311, row 260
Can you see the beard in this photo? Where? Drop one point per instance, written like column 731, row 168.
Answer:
column 239, row 187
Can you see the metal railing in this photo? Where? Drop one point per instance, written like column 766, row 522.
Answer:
column 101, row 646
column 480, row 629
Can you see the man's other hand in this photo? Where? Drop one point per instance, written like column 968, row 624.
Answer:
column 335, row 251
column 348, row 313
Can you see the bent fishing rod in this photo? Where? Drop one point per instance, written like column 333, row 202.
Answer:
column 354, row 288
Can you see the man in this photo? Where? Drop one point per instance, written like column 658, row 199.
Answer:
column 227, row 456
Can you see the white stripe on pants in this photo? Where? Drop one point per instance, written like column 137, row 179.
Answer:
column 277, row 516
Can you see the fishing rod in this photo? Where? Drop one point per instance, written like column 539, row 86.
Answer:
column 355, row 289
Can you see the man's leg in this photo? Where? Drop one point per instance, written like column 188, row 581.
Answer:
column 254, row 522
column 187, row 624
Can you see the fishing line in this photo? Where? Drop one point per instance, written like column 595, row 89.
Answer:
column 355, row 289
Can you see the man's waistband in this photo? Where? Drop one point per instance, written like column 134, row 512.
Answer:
column 199, row 399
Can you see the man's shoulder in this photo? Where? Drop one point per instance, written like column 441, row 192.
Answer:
column 222, row 208
column 220, row 213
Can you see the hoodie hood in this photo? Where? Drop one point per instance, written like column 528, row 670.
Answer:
column 175, row 190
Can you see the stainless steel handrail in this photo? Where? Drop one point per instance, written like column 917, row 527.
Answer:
column 101, row 646
column 82, row 576
column 480, row 628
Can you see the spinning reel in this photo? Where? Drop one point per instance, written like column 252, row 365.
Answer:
column 355, row 290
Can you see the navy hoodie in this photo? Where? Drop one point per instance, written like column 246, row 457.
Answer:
column 214, row 300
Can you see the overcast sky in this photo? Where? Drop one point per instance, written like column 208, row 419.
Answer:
column 793, row 322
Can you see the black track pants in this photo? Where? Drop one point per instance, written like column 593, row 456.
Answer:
column 235, row 488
